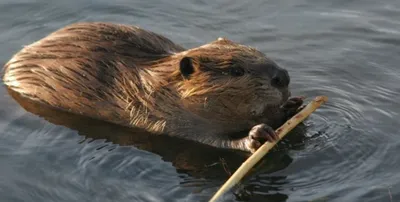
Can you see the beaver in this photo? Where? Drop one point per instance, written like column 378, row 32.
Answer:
column 223, row 94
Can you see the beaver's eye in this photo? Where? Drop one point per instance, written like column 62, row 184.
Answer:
column 237, row 71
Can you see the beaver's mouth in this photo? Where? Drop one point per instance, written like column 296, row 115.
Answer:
column 272, row 108
column 284, row 100
column 285, row 97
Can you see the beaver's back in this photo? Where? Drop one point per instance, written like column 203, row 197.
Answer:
column 86, row 64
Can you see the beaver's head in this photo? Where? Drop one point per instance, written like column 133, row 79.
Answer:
column 225, row 81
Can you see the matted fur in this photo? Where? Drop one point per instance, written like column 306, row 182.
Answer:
column 130, row 76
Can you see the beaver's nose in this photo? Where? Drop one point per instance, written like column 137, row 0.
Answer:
column 281, row 78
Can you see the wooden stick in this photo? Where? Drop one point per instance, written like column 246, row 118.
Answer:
column 281, row 132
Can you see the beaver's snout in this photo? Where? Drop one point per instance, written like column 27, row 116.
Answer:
column 280, row 78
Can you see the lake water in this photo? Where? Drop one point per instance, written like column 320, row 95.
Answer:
column 346, row 50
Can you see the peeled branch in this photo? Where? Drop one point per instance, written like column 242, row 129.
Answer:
column 267, row 146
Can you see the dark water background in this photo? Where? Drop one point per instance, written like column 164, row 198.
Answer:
column 347, row 50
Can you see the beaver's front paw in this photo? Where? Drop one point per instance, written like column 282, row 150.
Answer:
column 293, row 106
column 259, row 134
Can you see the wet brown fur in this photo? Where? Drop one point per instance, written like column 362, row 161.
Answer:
column 130, row 76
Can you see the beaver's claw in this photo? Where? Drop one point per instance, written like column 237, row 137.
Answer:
column 259, row 134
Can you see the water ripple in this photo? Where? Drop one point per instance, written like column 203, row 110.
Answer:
column 345, row 50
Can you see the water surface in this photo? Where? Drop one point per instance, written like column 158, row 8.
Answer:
column 347, row 50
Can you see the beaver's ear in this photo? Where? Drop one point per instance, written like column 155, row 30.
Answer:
column 186, row 67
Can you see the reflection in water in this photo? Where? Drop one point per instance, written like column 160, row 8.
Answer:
column 197, row 160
